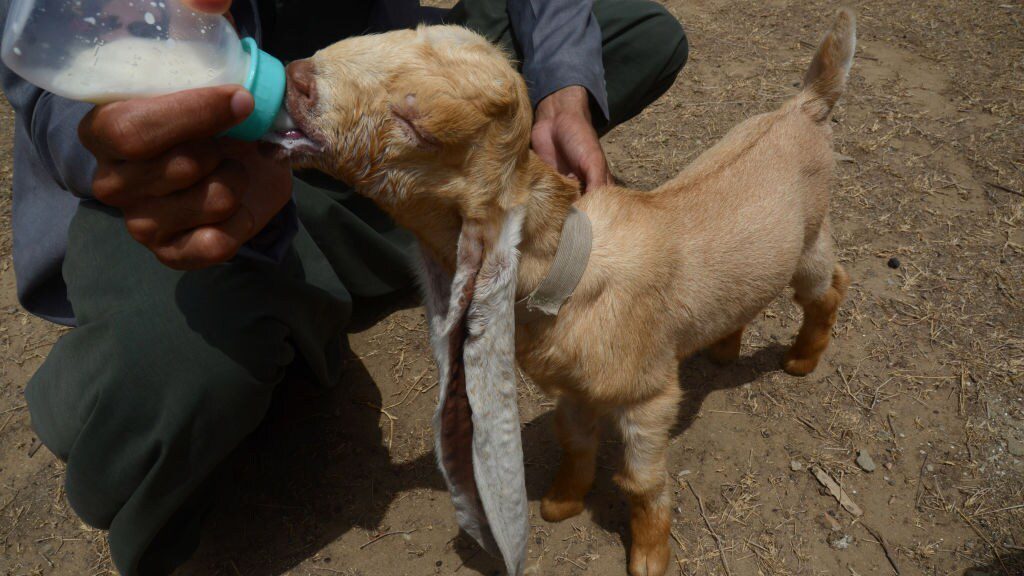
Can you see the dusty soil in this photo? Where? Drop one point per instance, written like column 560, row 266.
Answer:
column 925, row 374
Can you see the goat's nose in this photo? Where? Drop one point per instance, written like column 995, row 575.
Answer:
column 302, row 79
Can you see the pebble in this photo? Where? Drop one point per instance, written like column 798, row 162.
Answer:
column 893, row 263
column 839, row 541
column 795, row 466
column 1015, row 447
column 864, row 461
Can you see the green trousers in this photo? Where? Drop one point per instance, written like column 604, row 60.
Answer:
column 168, row 372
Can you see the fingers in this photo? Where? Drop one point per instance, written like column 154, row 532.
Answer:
column 159, row 222
column 144, row 128
column 121, row 184
column 594, row 171
column 208, row 245
column 547, row 144
column 209, row 6
column 571, row 146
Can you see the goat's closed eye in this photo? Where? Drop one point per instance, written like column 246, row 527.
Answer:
column 406, row 118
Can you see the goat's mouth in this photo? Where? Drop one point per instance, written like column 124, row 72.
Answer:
column 294, row 140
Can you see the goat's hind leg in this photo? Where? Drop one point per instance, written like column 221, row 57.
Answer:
column 820, row 284
column 576, row 428
column 727, row 350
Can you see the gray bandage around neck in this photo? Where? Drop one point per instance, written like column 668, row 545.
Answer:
column 566, row 270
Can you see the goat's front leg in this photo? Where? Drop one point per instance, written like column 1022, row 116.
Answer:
column 645, row 427
column 576, row 428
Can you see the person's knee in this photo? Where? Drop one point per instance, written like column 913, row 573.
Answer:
column 181, row 426
column 645, row 50
column 670, row 44
column 128, row 371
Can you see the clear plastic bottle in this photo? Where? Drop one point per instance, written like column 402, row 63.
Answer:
column 103, row 51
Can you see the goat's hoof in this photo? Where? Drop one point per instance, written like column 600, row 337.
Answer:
column 556, row 510
column 649, row 560
column 799, row 366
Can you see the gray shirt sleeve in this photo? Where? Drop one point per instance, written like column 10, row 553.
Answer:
column 561, row 44
column 52, row 126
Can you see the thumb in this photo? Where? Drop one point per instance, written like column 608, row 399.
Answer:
column 594, row 170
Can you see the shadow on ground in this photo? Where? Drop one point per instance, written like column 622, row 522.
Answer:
column 318, row 467
column 1012, row 564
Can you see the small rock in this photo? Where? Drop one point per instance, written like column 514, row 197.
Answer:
column 683, row 473
column 1015, row 447
column 893, row 263
column 930, row 468
column 864, row 461
column 839, row 541
column 795, row 466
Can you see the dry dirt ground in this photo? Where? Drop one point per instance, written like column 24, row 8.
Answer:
column 925, row 375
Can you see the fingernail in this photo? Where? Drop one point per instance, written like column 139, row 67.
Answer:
column 242, row 104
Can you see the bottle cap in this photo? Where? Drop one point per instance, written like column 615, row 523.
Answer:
column 266, row 81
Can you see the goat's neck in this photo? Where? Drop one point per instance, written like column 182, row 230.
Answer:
column 550, row 198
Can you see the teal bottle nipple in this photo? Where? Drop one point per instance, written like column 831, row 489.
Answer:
column 266, row 81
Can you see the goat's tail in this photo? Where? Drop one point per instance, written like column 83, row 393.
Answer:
column 825, row 80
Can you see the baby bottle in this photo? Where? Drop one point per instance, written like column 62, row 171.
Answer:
column 102, row 51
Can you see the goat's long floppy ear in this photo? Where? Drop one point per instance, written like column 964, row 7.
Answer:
column 476, row 426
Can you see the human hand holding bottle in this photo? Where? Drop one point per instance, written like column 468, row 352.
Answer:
column 191, row 198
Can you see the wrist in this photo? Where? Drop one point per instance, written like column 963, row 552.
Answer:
column 569, row 100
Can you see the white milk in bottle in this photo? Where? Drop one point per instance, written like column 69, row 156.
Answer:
column 103, row 51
